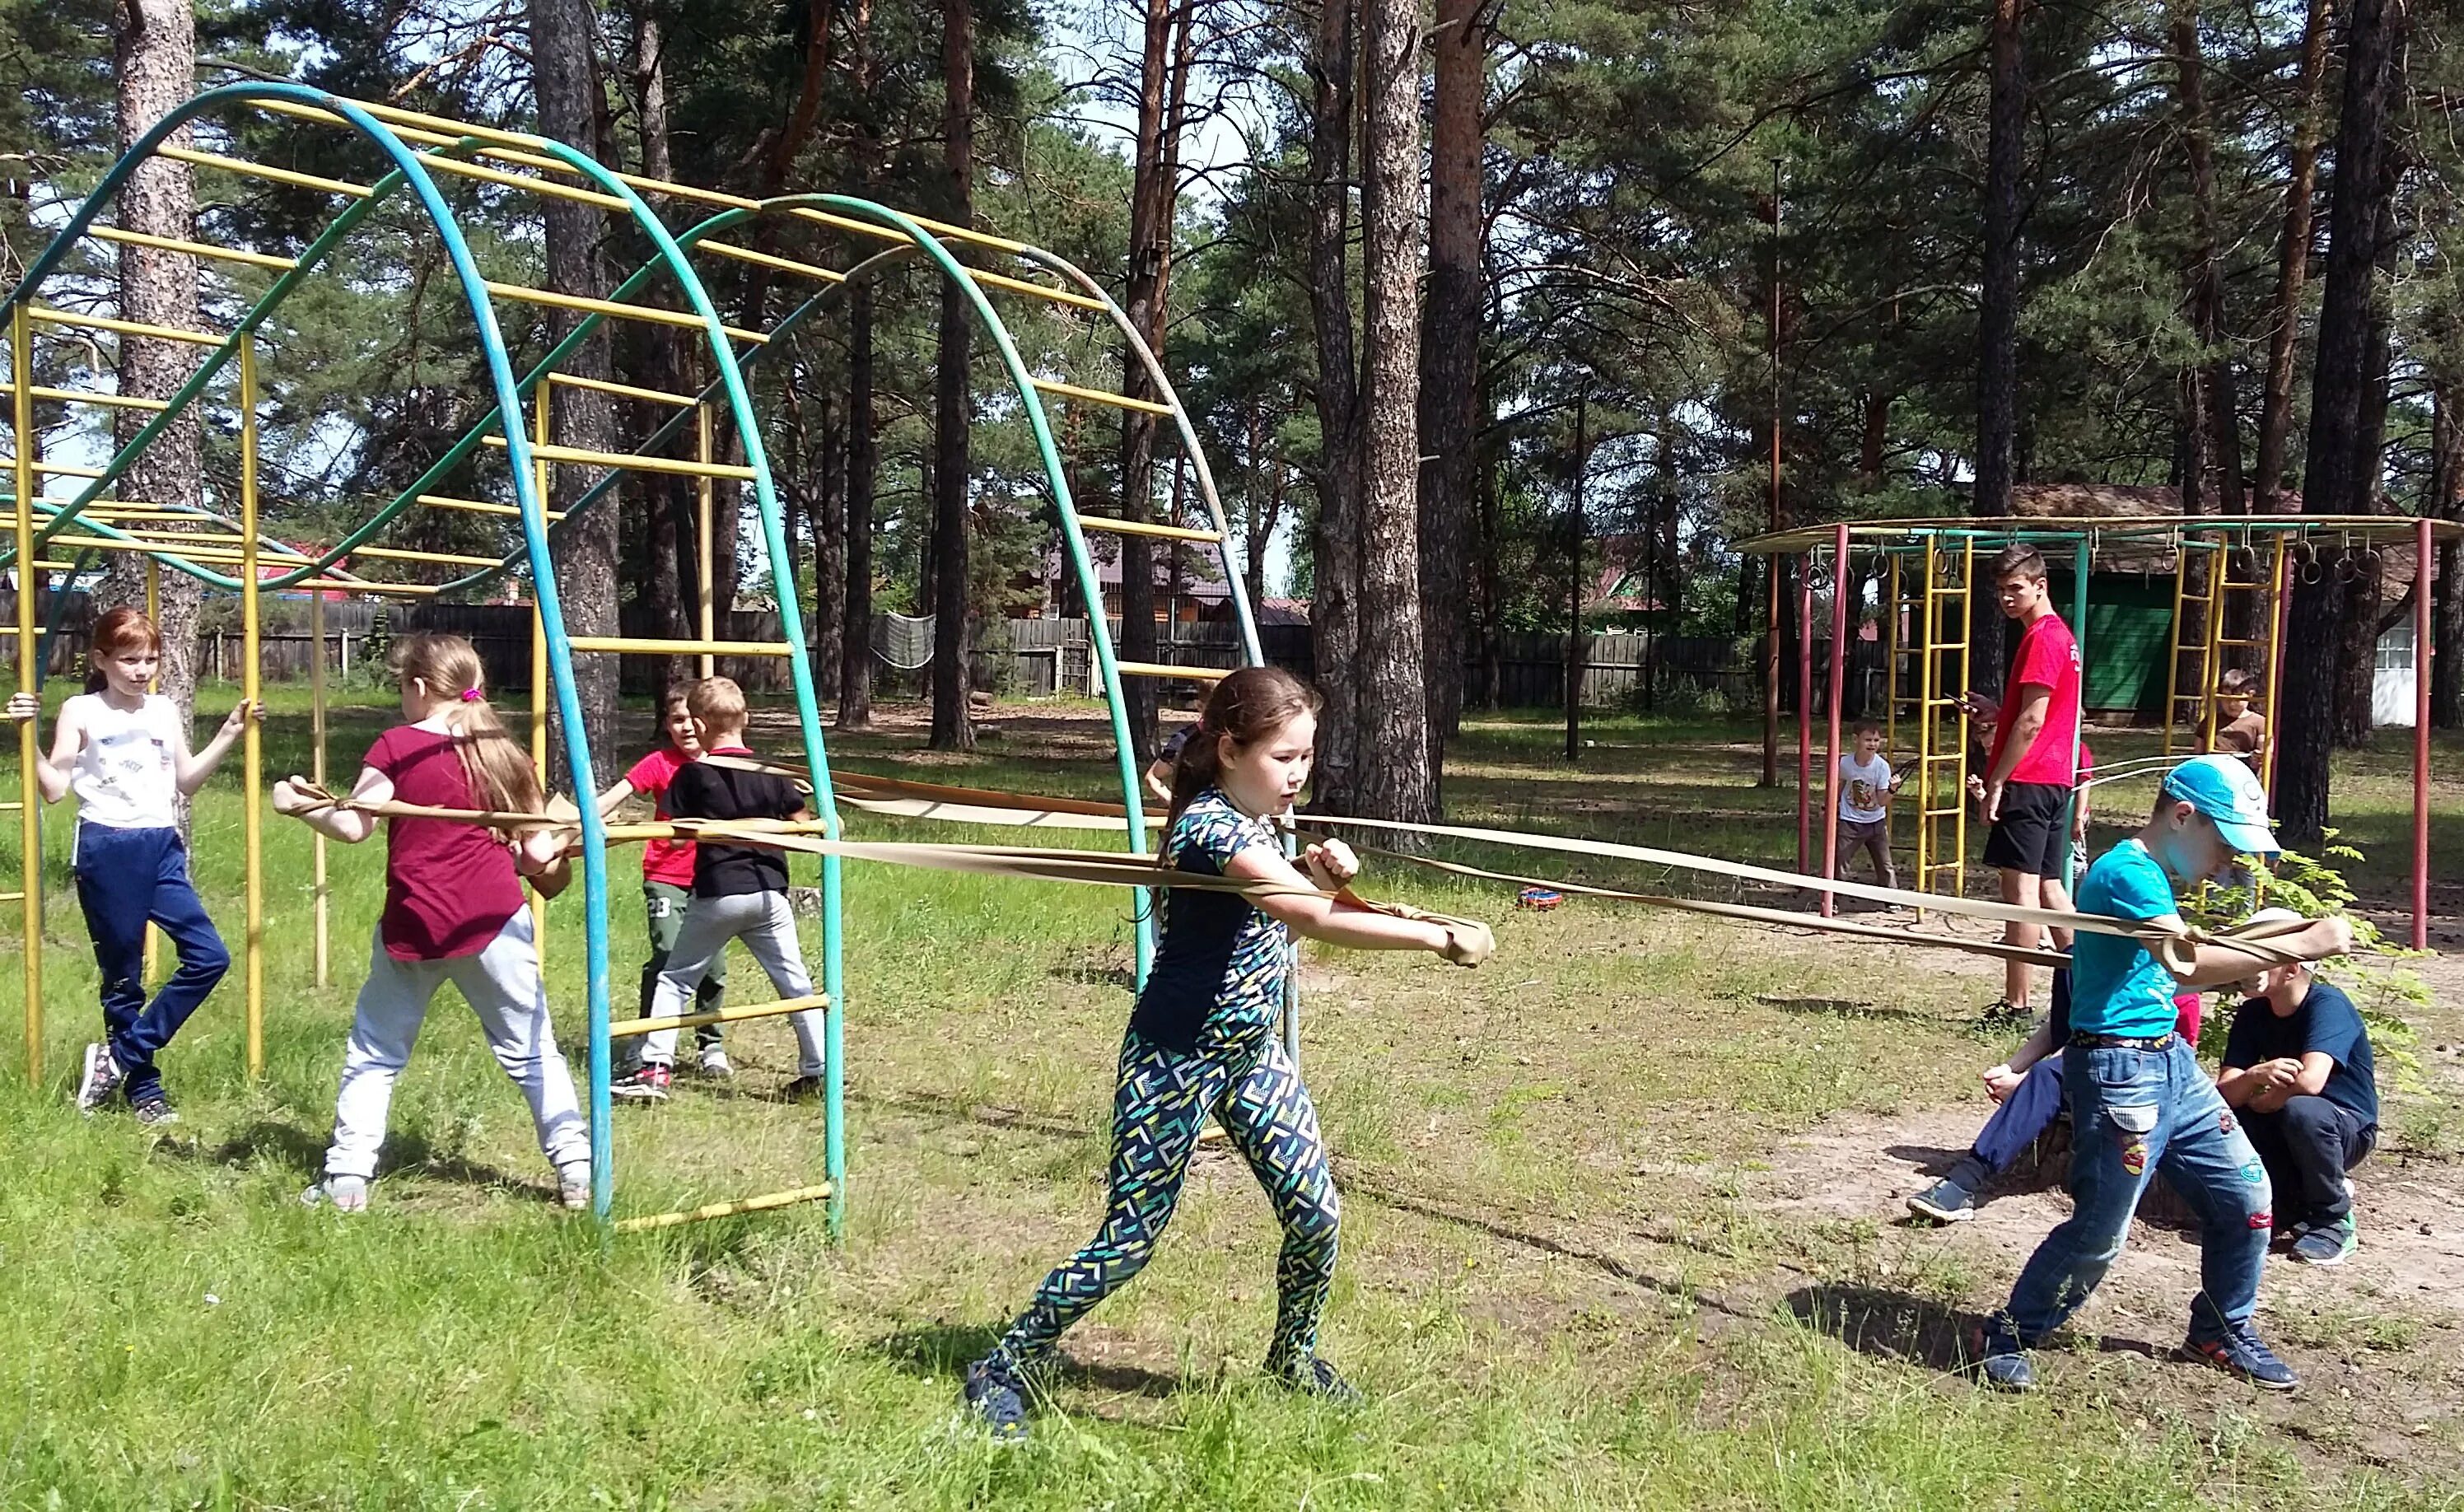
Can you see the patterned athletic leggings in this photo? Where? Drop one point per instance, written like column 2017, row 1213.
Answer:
column 1162, row 1103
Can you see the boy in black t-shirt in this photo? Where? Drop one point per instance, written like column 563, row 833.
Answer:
column 2299, row 1071
column 740, row 893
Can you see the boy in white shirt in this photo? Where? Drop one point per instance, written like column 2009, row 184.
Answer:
column 1867, row 787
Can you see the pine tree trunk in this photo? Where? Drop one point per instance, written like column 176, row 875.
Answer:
column 1997, row 326
column 566, row 72
column 2447, row 601
column 828, row 626
column 2332, row 483
column 953, row 725
column 2359, row 630
column 1334, row 543
column 2293, row 265
column 1396, row 770
column 155, row 49
column 863, row 464
column 1450, row 334
column 1152, row 197
column 2217, row 406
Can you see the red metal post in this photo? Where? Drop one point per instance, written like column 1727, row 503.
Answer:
column 1805, row 715
column 2426, row 549
column 1839, row 690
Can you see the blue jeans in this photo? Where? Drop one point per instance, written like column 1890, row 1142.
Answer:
column 2133, row 1113
column 2025, row 1113
column 125, row 877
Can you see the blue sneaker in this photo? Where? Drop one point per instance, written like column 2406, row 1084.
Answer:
column 2001, row 1357
column 1945, row 1201
column 2237, row 1351
column 997, row 1397
column 2325, row 1243
column 1312, row 1376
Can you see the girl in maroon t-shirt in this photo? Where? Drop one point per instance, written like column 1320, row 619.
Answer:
column 454, row 912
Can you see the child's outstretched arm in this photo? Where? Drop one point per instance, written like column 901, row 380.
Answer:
column 67, row 737
column 1348, row 924
column 189, row 770
column 617, row 792
column 2223, row 965
column 349, row 825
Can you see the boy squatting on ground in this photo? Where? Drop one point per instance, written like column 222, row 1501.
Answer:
column 2139, row 1100
column 668, row 872
column 2299, row 1070
column 740, row 892
column 2032, row 765
column 2240, row 730
column 1866, row 788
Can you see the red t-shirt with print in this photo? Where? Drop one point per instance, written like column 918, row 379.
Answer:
column 667, row 861
column 2049, row 657
column 450, row 887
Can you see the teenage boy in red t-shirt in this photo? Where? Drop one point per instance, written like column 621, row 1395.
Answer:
column 668, row 872
column 2033, row 765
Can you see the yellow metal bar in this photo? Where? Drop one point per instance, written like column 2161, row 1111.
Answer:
column 2220, row 585
column 2271, row 679
column 446, row 559
column 252, row 739
column 57, row 469
column 769, row 260
column 1131, row 527
column 583, row 456
column 1925, row 723
column 153, row 685
column 704, row 573
column 322, row 893
column 254, row 260
column 1967, row 679
column 45, row 315
column 651, row 314
column 648, row 646
column 1199, row 675
column 1100, row 396
column 259, row 170
column 603, row 385
column 477, row 506
column 30, row 829
column 2173, row 662
column 463, row 168
column 722, row 1210
column 368, row 589
column 1891, row 637
column 542, row 418
column 74, row 396
column 694, row 1020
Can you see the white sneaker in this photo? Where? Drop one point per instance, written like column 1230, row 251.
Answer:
column 99, row 1080
column 714, row 1063
column 346, row 1193
column 573, row 1184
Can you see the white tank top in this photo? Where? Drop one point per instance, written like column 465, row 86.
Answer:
column 124, row 778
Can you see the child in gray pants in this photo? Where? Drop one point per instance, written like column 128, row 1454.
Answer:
column 740, row 892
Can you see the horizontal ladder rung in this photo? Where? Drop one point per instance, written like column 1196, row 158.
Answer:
column 259, row 170
column 60, row 470
column 624, row 390
column 478, row 506
column 771, row 260
column 239, row 255
column 1201, row 674
column 45, row 315
column 72, row 396
column 1139, row 527
column 694, row 1020
column 444, row 559
column 721, row 1209
column 1100, row 396
column 582, row 456
column 651, row 314
column 12, row 897
column 645, row 645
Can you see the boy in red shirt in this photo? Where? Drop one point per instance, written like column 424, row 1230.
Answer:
column 2033, row 762
column 668, row 872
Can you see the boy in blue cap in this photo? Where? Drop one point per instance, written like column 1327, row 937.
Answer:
column 2139, row 1101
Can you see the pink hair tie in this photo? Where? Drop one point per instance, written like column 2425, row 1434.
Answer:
column 471, row 695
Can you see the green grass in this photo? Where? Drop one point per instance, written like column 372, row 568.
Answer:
column 1559, row 1285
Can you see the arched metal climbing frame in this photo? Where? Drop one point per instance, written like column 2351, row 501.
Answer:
column 528, row 460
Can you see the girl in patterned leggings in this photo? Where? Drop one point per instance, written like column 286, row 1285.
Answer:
column 1202, row 1040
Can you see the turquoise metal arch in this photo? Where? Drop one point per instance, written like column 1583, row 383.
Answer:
column 408, row 171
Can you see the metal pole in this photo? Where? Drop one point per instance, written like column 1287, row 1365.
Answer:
column 1838, row 687
column 1771, row 562
column 153, row 685
column 704, row 488
column 251, row 738
column 1805, row 715
column 543, row 405
column 2423, row 546
column 322, row 892
column 30, row 810
column 2082, row 561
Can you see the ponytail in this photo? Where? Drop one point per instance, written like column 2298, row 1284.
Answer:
column 499, row 769
column 1249, row 706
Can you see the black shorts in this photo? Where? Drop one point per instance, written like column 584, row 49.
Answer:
column 2034, row 834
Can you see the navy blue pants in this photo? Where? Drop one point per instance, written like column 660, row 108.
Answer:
column 125, row 877
column 2025, row 1113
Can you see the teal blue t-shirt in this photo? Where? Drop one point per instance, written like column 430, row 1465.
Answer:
column 2117, row 984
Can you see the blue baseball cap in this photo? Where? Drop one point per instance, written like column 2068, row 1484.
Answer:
column 2223, row 788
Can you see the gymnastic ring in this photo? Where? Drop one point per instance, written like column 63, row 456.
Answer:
column 2348, row 567
column 2243, row 562
column 1818, row 580
column 2302, row 554
column 2312, row 571
column 2373, row 563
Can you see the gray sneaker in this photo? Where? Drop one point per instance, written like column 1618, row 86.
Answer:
column 98, row 1082
column 2326, row 1244
column 153, row 1110
column 1945, row 1201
